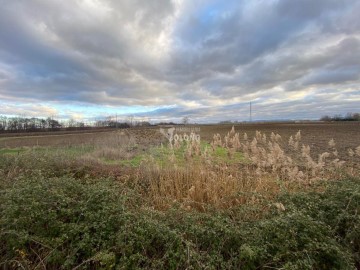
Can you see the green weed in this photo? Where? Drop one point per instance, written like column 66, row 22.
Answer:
column 12, row 151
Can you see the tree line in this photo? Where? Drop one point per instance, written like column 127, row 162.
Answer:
column 28, row 124
column 339, row 117
column 34, row 124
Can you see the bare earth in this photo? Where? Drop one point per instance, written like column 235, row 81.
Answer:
column 315, row 134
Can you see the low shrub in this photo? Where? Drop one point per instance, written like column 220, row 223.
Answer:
column 59, row 221
column 64, row 223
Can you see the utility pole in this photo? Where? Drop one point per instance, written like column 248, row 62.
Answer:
column 250, row 112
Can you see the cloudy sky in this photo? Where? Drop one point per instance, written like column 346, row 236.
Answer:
column 165, row 59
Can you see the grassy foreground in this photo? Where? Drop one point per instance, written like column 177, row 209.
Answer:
column 65, row 223
column 190, row 208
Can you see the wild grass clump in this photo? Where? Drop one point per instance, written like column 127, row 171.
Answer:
column 112, row 146
column 196, row 175
column 268, row 165
column 297, row 164
column 199, row 186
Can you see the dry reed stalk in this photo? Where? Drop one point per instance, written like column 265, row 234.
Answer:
column 267, row 167
column 357, row 150
column 332, row 143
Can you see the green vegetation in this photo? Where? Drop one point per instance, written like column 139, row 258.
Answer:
column 220, row 155
column 160, row 155
column 12, row 151
column 63, row 222
column 70, row 150
column 131, row 162
column 67, row 208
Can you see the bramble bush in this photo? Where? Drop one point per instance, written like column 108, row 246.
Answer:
column 65, row 223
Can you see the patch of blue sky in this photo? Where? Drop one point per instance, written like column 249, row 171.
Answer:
column 211, row 12
column 204, row 21
column 99, row 111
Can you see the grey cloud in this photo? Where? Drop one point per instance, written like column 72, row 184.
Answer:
column 284, row 110
column 335, row 64
column 308, row 9
column 160, row 52
column 72, row 65
column 333, row 76
column 239, row 38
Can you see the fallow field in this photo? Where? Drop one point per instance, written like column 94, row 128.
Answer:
column 249, row 196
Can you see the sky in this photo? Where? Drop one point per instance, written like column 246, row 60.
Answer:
column 162, row 60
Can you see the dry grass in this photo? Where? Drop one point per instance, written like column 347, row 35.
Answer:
column 266, row 170
column 269, row 163
column 199, row 185
column 112, row 146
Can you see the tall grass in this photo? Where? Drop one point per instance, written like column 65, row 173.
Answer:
column 269, row 166
column 112, row 146
column 231, row 170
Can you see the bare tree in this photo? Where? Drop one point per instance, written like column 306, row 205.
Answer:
column 186, row 120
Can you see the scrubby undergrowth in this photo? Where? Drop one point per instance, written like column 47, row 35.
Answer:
column 232, row 204
column 62, row 223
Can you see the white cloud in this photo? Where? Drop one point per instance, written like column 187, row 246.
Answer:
column 27, row 110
